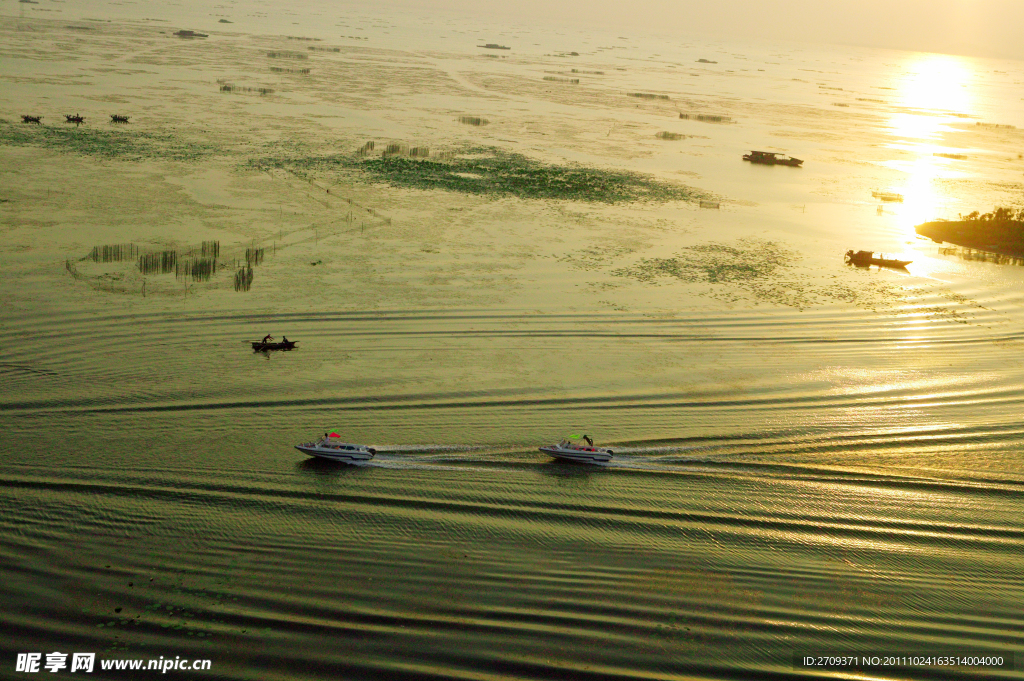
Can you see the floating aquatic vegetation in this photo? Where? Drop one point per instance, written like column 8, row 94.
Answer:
column 324, row 49
column 995, row 125
column 750, row 268
column 670, row 136
column 164, row 262
column 113, row 253
column 121, row 143
column 594, row 73
column 498, row 172
column 758, row 270
column 646, row 95
column 559, row 79
column 281, row 69
column 243, row 279
column 958, row 157
column 749, row 260
column 473, row 120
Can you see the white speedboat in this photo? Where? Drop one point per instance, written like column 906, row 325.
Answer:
column 580, row 453
column 334, row 449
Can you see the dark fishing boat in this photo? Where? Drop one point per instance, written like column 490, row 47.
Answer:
column 495, row 46
column 32, row 119
column 77, row 118
column 118, row 118
column 260, row 346
column 770, row 158
column 868, row 258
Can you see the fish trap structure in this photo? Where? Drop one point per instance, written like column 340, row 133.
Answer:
column 713, row 205
column 284, row 54
column 199, row 269
column 473, row 120
column 113, row 253
column 210, row 249
column 396, row 150
column 163, row 262
column 243, row 279
column 592, row 73
column 647, row 95
column 664, row 135
column 419, row 152
column 365, row 149
column 228, row 87
column 253, row 256
column 706, row 118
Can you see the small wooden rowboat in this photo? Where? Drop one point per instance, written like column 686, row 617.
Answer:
column 32, row 119
column 770, row 158
column 77, row 118
column 867, row 258
column 259, row 346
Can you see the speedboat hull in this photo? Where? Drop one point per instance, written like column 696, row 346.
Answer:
column 343, row 452
column 578, row 454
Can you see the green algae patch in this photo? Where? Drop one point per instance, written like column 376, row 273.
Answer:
column 128, row 145
column 500, row 173
column 747, row 261
column 751, row 269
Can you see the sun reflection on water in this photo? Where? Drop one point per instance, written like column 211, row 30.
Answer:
column 934, row 89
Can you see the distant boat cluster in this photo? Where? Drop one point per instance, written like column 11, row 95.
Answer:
column 77, row 119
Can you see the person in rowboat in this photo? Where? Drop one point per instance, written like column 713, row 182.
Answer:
column 267, row 339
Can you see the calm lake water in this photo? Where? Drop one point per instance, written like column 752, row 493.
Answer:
column 810, row 458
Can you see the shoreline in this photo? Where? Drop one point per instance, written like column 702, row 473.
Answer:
column 1003, row 237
